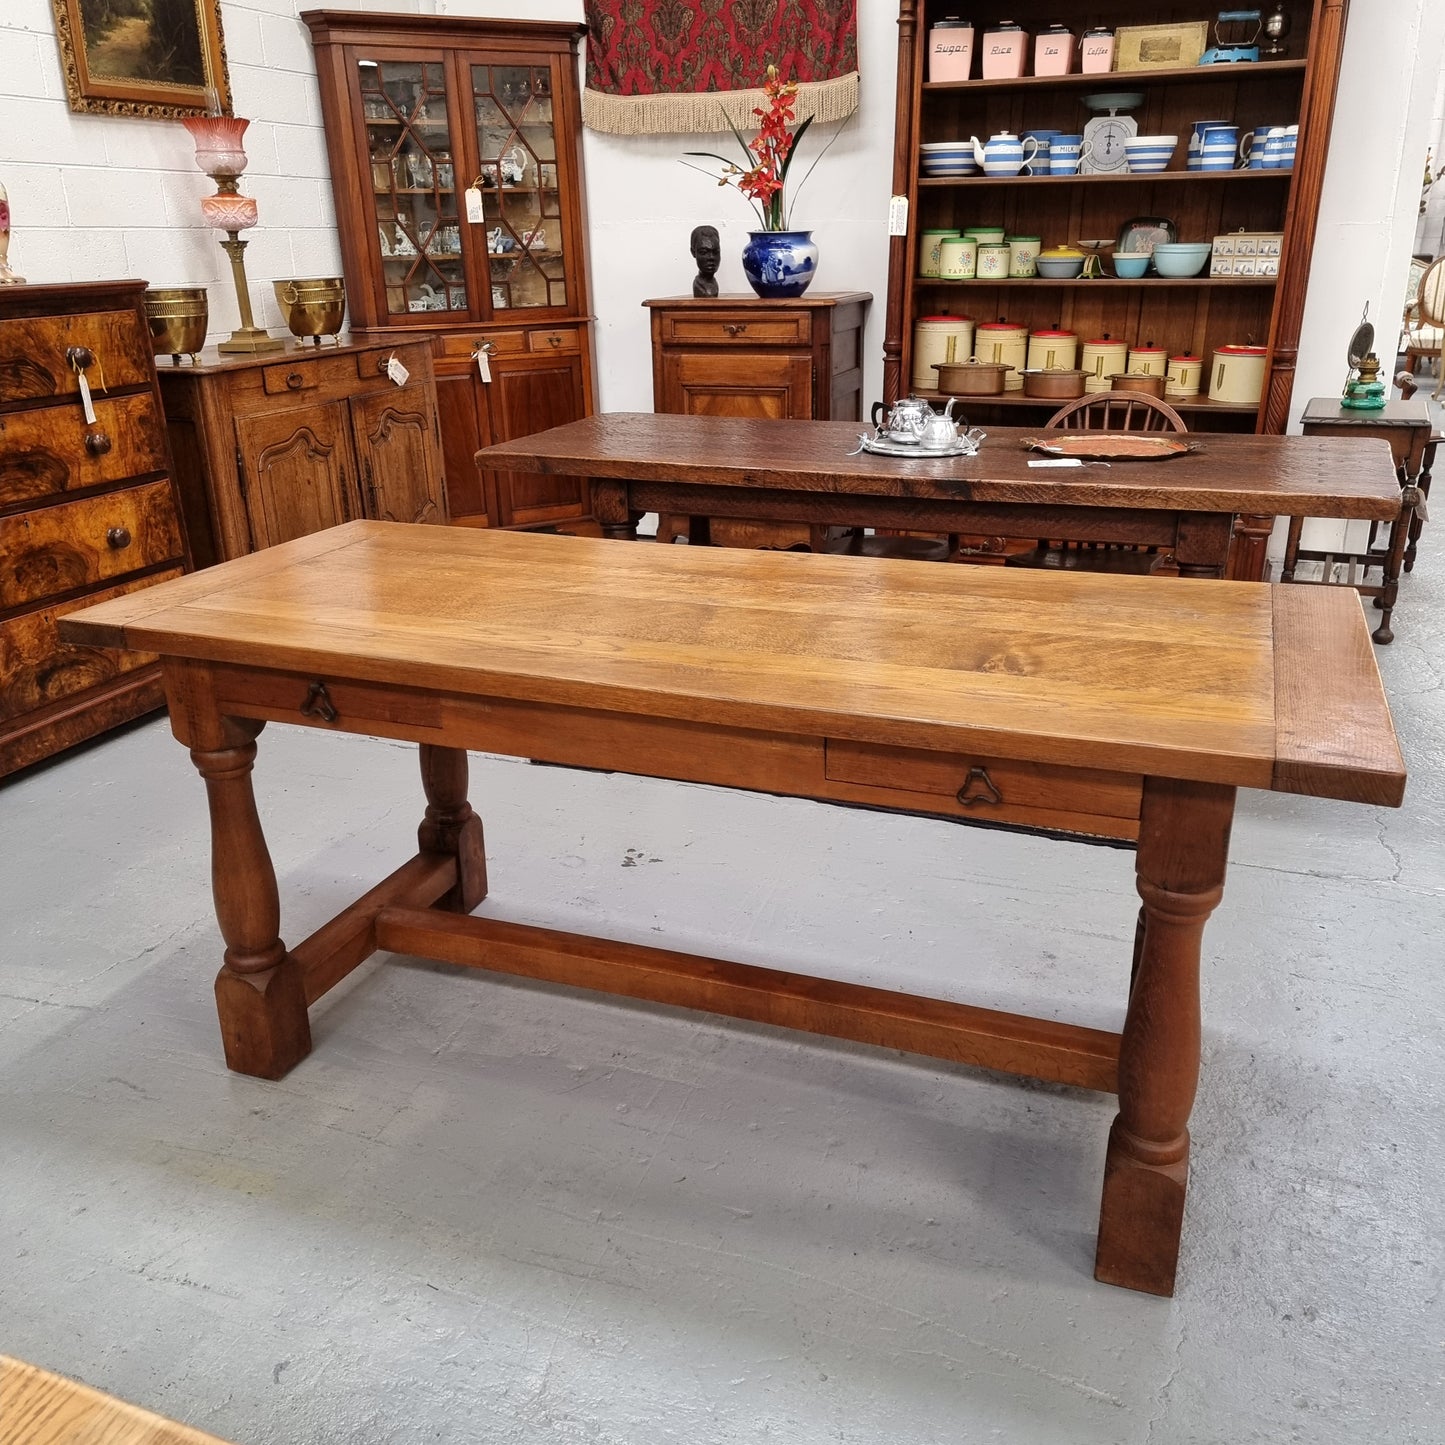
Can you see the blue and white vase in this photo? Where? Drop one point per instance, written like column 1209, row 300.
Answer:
column 780, row 265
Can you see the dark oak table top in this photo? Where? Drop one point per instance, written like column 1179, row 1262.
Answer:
column 1261, row 475
column 1412, row 413
column 1188, row 680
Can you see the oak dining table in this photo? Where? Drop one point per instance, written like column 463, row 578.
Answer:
column 1097, row 706
column 1212, row 509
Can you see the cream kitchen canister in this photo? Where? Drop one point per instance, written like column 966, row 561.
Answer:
column 1237, row 375
column 930, row 257
column 1001, row 341
column 1052, row 350
column 1186, row 376
column 1101, row 358
column 938, row 340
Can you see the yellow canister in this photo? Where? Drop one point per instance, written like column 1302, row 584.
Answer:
column 930, row 257
column 1238, row 374
column 1148, row 361
column 1052, row 350
column 1001, row 341
column 939, row 339
column 958, row 258
column 1101, row 359
column 1186, row 376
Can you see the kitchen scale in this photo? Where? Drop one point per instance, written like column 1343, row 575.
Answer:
column 1104, row 136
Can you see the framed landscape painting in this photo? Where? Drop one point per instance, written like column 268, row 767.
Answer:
column 159, row 58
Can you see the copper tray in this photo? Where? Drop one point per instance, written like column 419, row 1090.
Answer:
column 1112, row 447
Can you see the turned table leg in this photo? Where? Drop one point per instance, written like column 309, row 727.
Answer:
column 1183, row 851
column 259, row 994
column 450, row 825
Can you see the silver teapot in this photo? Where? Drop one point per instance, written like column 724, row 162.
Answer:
column 912, row 419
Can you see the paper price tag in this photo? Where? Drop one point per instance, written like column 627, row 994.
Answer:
column 484, row 365
column 898, row 216
column 396, row 371
column 473, row 202
column 1060, row 462
column 85, row 403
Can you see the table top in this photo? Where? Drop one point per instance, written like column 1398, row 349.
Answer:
column 1395, row 412
column 38, row 1408
column 1187, row 679
column 1270, row 475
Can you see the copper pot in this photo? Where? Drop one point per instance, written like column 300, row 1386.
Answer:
column 1056, row 383
column 1144, row 381
column 971, row 378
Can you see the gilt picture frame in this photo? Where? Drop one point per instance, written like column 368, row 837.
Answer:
column 157, row 59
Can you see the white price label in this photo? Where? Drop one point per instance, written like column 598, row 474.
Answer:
column 473, row 201
column 85, row 402
column 397, row 372
column 1060, row 462
column 898, row 216
column 484, row 365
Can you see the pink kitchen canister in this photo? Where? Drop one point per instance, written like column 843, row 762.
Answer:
column 1005, row 49
column 950, row 49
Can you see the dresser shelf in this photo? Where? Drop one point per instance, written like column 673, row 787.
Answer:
column 1126, row 80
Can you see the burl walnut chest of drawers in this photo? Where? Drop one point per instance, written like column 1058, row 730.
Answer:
column 88, row 509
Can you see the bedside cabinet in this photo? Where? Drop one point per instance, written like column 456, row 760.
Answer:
column 742, row 356
column 88, row 510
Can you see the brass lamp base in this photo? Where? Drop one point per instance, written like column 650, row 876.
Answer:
column 251, row 339
column 247, row 337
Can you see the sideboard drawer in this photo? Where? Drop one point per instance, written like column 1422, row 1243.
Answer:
column 558, row 338
column 45, row 451
column 54, row 550
column 990, row 789
column 777, row 328
column 37, row 669
column 464, row 343
column 34, row 365
column 291, row 376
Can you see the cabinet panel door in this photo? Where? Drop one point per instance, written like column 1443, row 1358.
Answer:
column 530, row 397
column 396, row 450
column 296, row 465
column 738, row 383
column 461, row 409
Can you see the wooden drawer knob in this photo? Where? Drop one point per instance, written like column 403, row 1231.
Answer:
column 80, row 357
column 118, row 538
column 97, row 443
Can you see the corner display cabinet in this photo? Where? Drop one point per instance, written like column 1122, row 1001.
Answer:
column 456, row 163
column 1194, row 315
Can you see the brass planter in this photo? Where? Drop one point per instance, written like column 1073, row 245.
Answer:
column 178, row 318
column 314, row 308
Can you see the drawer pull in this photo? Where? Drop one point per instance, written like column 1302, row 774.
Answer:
column 318, row 703
column 97, row 443
column 978, row 788
column 554, row 340
column 80, row 358
column 736, row 328
column 118, row 538
column 295, row 381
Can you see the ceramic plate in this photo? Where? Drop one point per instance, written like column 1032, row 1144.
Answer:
column 1095, row 446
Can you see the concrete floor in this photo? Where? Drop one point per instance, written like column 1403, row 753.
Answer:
column 496, row 1212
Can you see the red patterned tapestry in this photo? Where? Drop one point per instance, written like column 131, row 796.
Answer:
column 664, row 66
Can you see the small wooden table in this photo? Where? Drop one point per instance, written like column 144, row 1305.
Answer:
column 1097, row 705
column 38, row 1408
column 1213, row 510
column 1405, row 427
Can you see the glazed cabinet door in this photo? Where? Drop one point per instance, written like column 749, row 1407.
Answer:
column 397, row 456
column 296, row 471
column 529, row 395
column 735, row 383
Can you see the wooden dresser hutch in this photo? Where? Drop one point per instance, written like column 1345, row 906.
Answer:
column 456, row 164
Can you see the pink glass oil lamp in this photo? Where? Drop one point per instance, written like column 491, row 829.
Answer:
column 221, row 155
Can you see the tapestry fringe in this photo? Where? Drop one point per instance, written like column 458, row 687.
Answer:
column 710, row 111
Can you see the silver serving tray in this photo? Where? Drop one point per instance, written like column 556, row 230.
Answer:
column 884, row 447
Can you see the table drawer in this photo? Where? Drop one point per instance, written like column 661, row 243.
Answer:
column 322, row 701
column 48, row 450
column 33, row 362
column 54, row 550
column 991, row 789
column 37, row 669
column 724, row 328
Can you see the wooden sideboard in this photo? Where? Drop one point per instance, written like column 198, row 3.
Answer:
column 87, row 508
column 273, row 447
column 741, row 356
